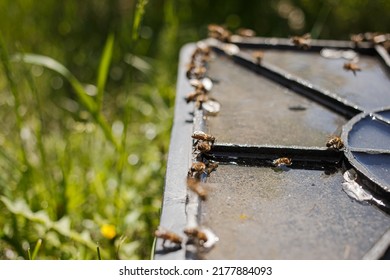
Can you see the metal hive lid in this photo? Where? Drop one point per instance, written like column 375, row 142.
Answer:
column 285, row 106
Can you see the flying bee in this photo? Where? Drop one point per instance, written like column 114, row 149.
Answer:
column 352, row 67
column 302, row 41
column 200, row 135
column 197, row 187
column 168, row 235
column 196, row 168
column 335, row 142
column 196, row 234
column 258, row 56
column 282, row 161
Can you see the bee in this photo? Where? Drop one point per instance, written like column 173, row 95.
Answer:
column 190, row 67
column 335, row 142
column 199, row 71
column 258, row 56
column 211, row 166
column 196, row 234
column 352, row 67
column 282, row 161
column 357, row 38
column 302, row 41
column 197, row 168
column 194, row 71
column 197, row 187
column 201, row 99
column 246, row 32
column 193, row 96
column 203, row 53
column 168, row 235
column 203, row 146
column 200, row 135
column 219, row 32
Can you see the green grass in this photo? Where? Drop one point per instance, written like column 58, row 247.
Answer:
column 83, row 168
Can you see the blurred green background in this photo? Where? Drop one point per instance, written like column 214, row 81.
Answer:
column 86, row 125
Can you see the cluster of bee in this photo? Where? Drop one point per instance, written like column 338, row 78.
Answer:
column 373, row 37
column 222, row 34
column 202, row 143
column 194, row 234
column 199, row 58
column 196, row 71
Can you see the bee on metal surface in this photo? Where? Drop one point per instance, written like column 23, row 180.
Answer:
column 302, row 41
column 197, row 187
column 219, row 32
column 350, row 66
column 202, row 53
column 168, row 235
column 258, row 56
column 193, row 96
column 190, row 67
column 381, row 38
column 203, row 146
column 201, row 99
column 200, row 135
column 335, row 142
column 196, row 234
column 246, row 32
column 194, row 71
column 282, row 161
column 196, row 169
column 199, row 71
column 357, row 38
column 211, row 166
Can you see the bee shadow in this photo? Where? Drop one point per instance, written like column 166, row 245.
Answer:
column 167, row 250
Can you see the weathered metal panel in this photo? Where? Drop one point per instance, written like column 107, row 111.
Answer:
column 328, row 201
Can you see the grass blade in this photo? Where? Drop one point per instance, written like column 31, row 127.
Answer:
column 29, row 253
column 103, row 69
column 54, row 65
column 139, row 14
column 36, row 249
column 98, row 252
column 84, row 98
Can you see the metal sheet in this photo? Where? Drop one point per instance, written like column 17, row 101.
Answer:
column 265, row 213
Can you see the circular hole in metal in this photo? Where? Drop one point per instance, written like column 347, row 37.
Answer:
column 367, row 141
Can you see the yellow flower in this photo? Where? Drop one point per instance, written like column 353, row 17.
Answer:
column 108, row 231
